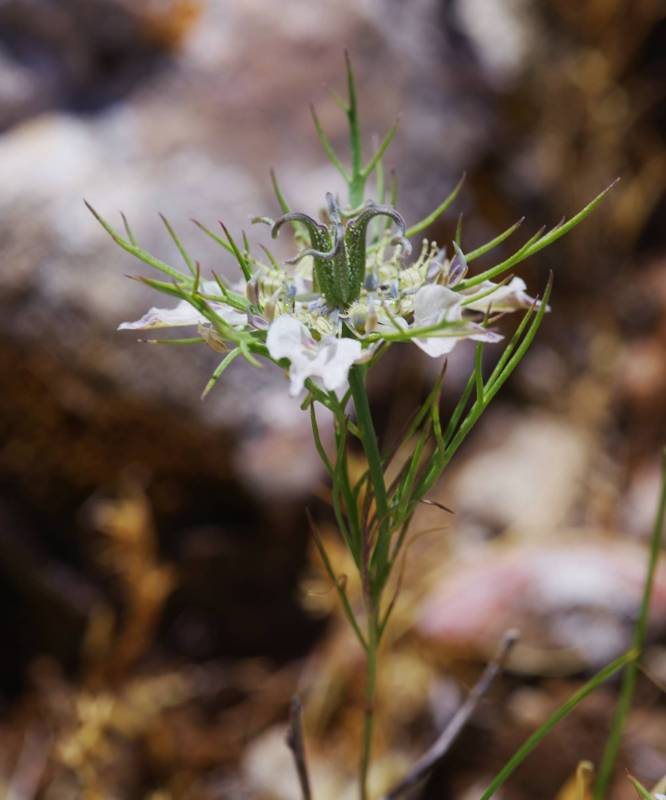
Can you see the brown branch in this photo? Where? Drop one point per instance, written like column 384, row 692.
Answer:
column 297, row 747
column 442, row 745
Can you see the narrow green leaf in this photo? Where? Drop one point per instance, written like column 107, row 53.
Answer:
column 337, row 583
column 478, row 371
column 393, row 191
column 440, row 460
column 413, row 424
column 221, row 367
column 298, row 228
column 561, row 230
column 217, row 239
column 511, row 346
column 458, row 236
column 379, row 226
column 380, row 185
column 189, row 263
column 488, row 246
column 563, row 711
column 136, row 251
column 523, row 347
column 437, row 213
column 520, row 255
column 640, row 635
column 640, row 789
column 279, row 196
column 356, row 181
column 247, row 353
column 375, row 160
column 230, row 297
column 536, row 243
column 456, row 416
column 352, row 115
column 240, row 258
column 246, row 246
column 197, row 279
column 191, row 340
column 161, row 286
column 328, row 147
column 317, row 438
column 270, row 257
column 130, row 236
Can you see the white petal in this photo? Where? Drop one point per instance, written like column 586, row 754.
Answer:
column 434, row 304
column 335, row 359
column 182, row 314
column 237, row 319
column 484, row 335
column 211, row 287
column 436, row 346
column 328, row 361
column 298, row 374
column 510, row 297
column 287, row 337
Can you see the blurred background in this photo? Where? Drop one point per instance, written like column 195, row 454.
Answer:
column 160, row 599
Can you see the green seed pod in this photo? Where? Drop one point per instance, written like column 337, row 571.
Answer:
column 339, row 250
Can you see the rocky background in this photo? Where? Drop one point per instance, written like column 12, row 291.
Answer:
column 160, row 600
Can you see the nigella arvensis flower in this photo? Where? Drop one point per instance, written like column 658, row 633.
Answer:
column 349, row 291
column 341, row 298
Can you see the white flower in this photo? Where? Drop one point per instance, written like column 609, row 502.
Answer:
column 436, row 305
column 184, row 314
column 499, row 298
column 328, row 361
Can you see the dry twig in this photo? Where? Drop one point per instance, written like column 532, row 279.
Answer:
column 297, row 747
column 442, row 745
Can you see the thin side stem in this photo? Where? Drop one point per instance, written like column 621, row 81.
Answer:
column 373, row 456
column 338, row 583
column 640, row 632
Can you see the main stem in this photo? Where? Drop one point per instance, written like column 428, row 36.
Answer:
column 372, row 639
column 372, row 573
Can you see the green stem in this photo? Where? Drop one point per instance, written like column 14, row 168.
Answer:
column 371, row 447
column 521, row 754
column 640, row 633
column 372, row 641
column 378, row 560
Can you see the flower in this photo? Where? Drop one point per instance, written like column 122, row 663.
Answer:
column 185, row 314
column 440, row 308
column 327, row 361
column 499, row 298
column 339, row 299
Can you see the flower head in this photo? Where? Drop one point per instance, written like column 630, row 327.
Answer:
column 348, row 292
column 338, row 300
